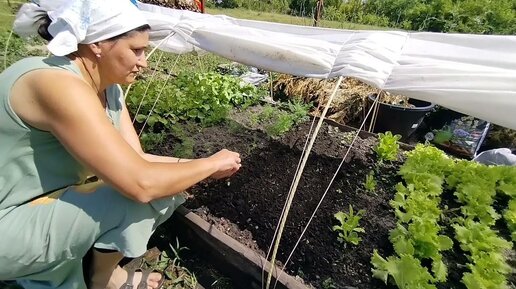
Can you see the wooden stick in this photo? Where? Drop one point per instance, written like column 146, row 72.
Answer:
column 298, row 177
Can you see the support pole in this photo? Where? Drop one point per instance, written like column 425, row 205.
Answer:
column 318, row 12
column 296, row 181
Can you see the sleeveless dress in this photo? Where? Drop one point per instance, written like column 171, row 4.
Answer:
column 49, row 219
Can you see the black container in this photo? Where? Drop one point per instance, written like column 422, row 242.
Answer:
column 398, row 119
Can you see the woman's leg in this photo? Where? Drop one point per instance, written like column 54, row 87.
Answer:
column 107, row 274
column 50, row 236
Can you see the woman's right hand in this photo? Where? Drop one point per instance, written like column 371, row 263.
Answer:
column 226, row 162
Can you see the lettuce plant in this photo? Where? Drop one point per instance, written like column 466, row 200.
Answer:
column 388, row 147
column 349, row 226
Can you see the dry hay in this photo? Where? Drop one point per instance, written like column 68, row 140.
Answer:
column 347, row 106
column 176, row 4
column 395, row 99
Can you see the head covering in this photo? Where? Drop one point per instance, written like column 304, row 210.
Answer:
column 78, row 21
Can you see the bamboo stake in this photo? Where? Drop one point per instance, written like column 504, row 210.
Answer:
column 298, row 177
column 376, row 105
column 327, row 188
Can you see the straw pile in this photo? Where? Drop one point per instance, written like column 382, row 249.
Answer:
column 347, row 106
column 176, row 4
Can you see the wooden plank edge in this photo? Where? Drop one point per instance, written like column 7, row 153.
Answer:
column 246, row 260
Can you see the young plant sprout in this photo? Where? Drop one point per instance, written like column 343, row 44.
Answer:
column 370, row 182
column 388, row 147
column 349, row 226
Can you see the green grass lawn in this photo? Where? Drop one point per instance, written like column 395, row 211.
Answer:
column 288, row 19
column 7, row 14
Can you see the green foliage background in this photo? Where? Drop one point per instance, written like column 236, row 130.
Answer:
column 461, row 16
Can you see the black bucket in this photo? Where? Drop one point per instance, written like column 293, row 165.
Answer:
column 398, row 119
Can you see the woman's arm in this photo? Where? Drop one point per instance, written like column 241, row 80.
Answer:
column 130, row 135
column 70, row 110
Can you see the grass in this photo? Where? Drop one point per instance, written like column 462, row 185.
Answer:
column 288, row 19
column 7, row 14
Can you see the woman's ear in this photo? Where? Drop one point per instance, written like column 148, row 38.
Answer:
column 96, row 49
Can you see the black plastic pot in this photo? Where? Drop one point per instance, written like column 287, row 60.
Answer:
column 398, row 119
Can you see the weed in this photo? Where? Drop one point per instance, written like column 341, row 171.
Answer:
column 328, row 283
column 277, row 120
column 349, row 226
column 221, row 282
column 185, row 147
column 151, row 140
column 283, row 124
column 235, row 127
column 179, row 275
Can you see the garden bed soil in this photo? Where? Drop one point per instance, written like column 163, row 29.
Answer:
column 247, row 206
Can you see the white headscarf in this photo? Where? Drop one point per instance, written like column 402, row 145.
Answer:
column 78, row 21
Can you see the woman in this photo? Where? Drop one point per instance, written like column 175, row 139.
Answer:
column 62, row 118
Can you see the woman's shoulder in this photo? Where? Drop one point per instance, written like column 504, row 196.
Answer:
column 29, row 65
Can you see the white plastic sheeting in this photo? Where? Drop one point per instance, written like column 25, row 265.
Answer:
column 472, row 74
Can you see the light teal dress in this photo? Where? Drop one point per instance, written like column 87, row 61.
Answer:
column 47, row 220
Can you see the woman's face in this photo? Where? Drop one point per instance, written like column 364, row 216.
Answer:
column 122, row 59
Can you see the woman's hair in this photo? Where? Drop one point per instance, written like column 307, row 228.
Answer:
column 45, row 21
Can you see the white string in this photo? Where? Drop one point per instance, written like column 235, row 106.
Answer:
column 147, row 58
column 328, row 188
column 288, row 196
column 5, row 50
column 159, row 95
column 148, row 85
column 298, row 176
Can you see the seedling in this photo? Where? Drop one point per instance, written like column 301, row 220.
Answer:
column 370, row 182
column 349, row 226
column 388, row 147
column 328, row 284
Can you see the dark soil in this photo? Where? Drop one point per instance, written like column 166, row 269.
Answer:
column 247, row 206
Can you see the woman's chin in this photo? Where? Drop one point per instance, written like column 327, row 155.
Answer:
column 129, row 79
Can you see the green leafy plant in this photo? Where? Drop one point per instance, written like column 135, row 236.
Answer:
column 178, row 274
column 205, row 98
column 184, row 148
column 277, row 120
column 407, row 271
column 349, row 226
column 416, row 205
column 388, row 147
column 151, row 140
column 510, row 218
column 328, row 283
column 416, row 235
column 488, row 267
column 370, row 182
